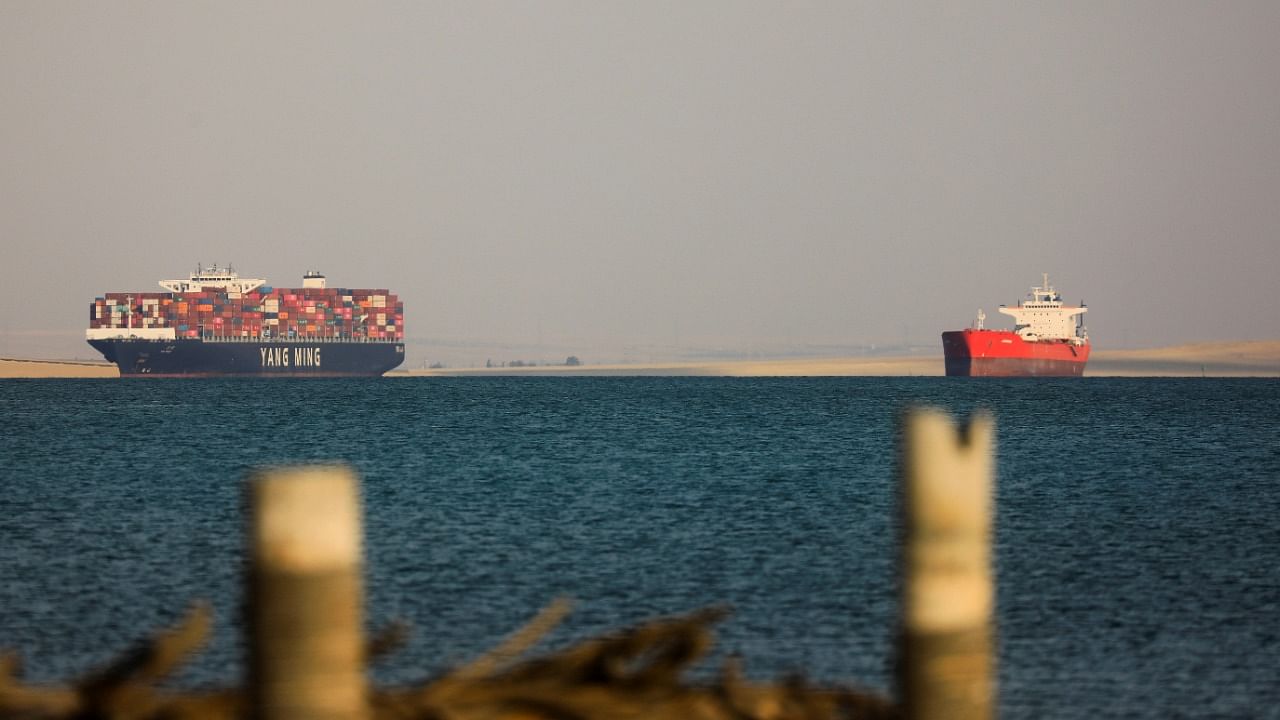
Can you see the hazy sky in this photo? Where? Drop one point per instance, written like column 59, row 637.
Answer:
column 615, row 179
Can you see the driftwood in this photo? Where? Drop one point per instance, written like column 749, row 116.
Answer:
column 125, row 688
column 637, row 674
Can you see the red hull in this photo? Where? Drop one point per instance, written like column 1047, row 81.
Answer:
column 1000, row 353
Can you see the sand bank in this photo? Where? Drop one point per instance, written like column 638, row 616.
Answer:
column 1227, row 359
column 804, row 367
column 1233, row 359
column 14, row 368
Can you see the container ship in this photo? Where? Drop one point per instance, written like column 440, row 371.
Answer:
column 216, row 323
column 1048, row 340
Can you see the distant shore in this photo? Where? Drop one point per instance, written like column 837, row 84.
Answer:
column 1225, row 359
column 36, row 369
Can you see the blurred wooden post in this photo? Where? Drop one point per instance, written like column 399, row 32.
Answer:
column 945, row 664
column 306, row 653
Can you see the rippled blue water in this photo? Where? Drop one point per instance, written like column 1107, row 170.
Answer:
column 1138, row 520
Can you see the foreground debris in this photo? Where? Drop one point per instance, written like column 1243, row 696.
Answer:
column 633, row 674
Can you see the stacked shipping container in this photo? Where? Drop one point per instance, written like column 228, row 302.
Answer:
column 265, row 313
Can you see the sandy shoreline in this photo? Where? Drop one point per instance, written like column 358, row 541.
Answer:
column 36, row 369
column 1228, row 359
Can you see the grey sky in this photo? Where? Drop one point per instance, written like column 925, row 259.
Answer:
column 616, row 179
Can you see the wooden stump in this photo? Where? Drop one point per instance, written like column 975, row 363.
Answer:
column 945, row 666
column 304, row 605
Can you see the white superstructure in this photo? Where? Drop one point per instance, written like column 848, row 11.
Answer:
column 213, row 278
column 1042, row 316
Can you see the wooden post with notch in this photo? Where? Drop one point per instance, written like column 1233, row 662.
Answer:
column 945, row 663
column 304, row 606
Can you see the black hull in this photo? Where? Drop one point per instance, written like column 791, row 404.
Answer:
column 197, row 358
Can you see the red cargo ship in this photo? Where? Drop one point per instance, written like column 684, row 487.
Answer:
column 216, row 323
column 1048, row 340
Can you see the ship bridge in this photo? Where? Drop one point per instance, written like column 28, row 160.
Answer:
column 214, row 278
column 1042, row 316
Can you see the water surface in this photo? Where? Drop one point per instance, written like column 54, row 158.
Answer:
column 1138, row 541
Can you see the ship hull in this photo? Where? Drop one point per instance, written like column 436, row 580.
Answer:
column 1000, row 353
column 186, row 358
